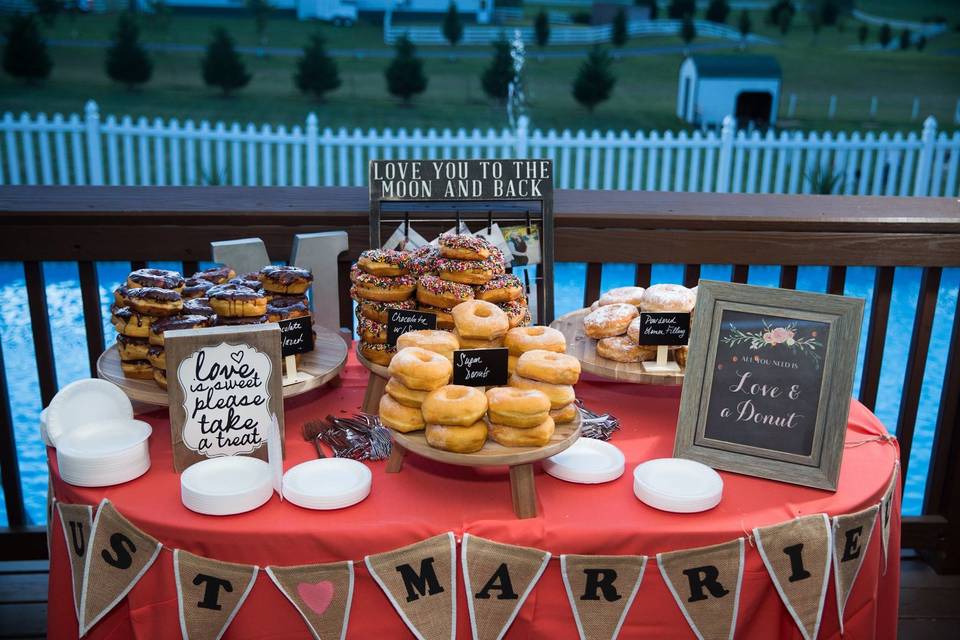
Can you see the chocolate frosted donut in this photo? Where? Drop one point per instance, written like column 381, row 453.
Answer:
column 199, row 306
column 120, row 297
column 160, row 278
column 154, row 301
column 251, row 280
column 131, row 348
column 130, row 323
column 157, row 357
column 287, row 280
column 235, row 300
column 216, row 275
column 195, row 288
column 177, row 322
column 286, row 308
column 377, row 311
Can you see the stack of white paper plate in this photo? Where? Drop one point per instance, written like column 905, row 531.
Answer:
column 104, row 453
column 678, row 485
column 225, row 486
column 44, row 435
column 329, row 483
column 587, row 461
column 85, row 402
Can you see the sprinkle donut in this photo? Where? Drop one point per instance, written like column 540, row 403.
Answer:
column 377, row 353
column 610, row 320
column 384, row 262
column 159, row 278
column 423, row 261
column 371, row 331
column 500, row 289
column 435, row 292
column 463, row 247
column 466, row 271
column 377, row 311
column 517, row 312
column 382, row 288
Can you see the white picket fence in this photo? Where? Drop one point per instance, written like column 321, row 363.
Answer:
column 80, row 150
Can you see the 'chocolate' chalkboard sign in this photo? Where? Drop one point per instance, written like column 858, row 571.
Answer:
column 670, row 329
column 480, row 367
column 400, row 321
column 296, row 336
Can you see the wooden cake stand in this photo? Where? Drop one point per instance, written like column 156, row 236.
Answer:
column 585, row 349
column 519, row 459
column 328, row 358
column 376, row 383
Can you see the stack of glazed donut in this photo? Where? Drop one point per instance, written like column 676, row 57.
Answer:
column 614, row 320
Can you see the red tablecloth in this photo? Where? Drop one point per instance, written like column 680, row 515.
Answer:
column 428, row 498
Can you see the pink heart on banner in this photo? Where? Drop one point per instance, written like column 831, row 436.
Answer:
column 316, row 596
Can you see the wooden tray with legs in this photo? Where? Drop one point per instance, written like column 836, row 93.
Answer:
column 376, row 383
column 585, row 349
column 326, row 361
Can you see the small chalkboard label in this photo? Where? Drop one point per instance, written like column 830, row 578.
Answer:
column 400, row 321
column 296, row 336
column 671, row 329
column 480, row 367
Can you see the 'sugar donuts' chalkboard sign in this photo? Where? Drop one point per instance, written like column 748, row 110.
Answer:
column 768, row 382
column 480, row 367
column 224, row 385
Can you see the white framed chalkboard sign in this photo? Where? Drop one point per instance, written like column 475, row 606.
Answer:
column 768, row 382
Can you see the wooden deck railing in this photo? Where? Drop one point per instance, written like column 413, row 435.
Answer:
column 139, row 224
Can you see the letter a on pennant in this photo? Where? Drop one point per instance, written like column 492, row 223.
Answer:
column 705, row 582
column 601, row 590
column 421, row 583
column 851, row 537
column 797, row 556
column 498, row 578
column 209, row 593
column 77, row 522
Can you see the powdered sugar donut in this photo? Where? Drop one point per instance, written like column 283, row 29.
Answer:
column 609, row 320
column 624, row 349
column 622, row 295
column 667, row 298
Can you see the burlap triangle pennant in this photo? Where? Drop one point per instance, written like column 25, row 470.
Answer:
column 706, row 582
column 886, row 513
column 77, row 523
column 497, row 578
column 851, row 537
column 601, row 590
column 209, row 593
column 421, row 583
column 797, row 556
column 322, row 593
column 118, row 556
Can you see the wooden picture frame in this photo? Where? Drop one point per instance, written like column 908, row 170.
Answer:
column 787, row 373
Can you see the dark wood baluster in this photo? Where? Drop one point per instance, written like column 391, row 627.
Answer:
column 836, row 280
column 788, row 276
column 691, row 275
column 343, row 286
column 591, row 292
column 92, row 320
column 741, row 273
column 40, row 323
column 876, row 336
column 137, row 264
column 9, row 466
column 642, row 277
column 190, row 267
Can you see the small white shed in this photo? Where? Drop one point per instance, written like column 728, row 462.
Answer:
column 713, row 87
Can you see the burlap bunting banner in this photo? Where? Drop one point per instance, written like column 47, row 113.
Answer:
column 209, row 593
column 706, row 583
column 77, row 523
column 886, row 511
column 321, row 593
column 118, row 556
column 420, row 582
column 797, row 556
column 498, row 578
column 851, row 537
column 601, row 590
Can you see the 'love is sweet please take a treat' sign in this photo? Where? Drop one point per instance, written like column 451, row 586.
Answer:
column 224, row 385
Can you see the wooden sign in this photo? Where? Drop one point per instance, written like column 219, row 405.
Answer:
column 670, row 329
column 400, row 321
column 296, row 336
column 768, row 382
column 224, row 385
column 460, row 179
column 480, row 367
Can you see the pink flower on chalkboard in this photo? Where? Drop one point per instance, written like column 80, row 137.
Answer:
column 770, row 336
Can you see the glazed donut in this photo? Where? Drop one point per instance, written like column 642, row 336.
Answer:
column 476, row 343
column 523, row 339
column 511, row 363
column 453, row 405
column 130, row 323
column 382, row 289
column 237, row 301
column 423, row 261
column 132, row 348
column 500, row 289
column 521, row 408
column 537, row 436
column 216, row 275
column 517, row 312
column 285, row 280
column 195, row 288
column 463, row 247
column 199, row 307
column 377, row 311
column 548, row 366
column 138, row 369
column 153, row 301
column 442, row 342
column 420, row 369
column 405, row 395
column 564, row 414
column 177, row 322
column 159, row 278
column 371, row 331
column 434, row 292
column 480, row 320
column 624, row 349
column 224, row 321
column 399, row 417
column 160, row 377
column 286, row 308
column 380, row 354
column 622, row 295
column 444, row 317
column 609, row 320
column 157, row 357
column 466, row 271
column 667, row 298
column 468, row 439
column 680, row 355
column 384, row 262
column 559, row 394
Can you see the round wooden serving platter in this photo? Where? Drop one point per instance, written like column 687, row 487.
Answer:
column 328, row 358
column 585, row 349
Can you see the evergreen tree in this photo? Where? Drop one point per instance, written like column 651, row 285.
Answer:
column 777, row 9
column 222, row 65
column 905, row 39
column 452, row 26
column 317, row 72
column 405, row 74
column 783, row 22
column 618, row 33
column 25, row 51
column 595, row 80
column 48, row 10
column 885, row 35
column 688, row 31
column 497, row 76
column 541, row 28
column 862, row 34
column 651, row 5
column 679, row 9
column 744, row 26
column 127, row 61
column 717, row 11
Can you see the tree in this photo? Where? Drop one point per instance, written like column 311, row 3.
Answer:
column 541, row 28
column 885, row 35
column 452, row 26
column 862, row 34
column 618, row 33
column 783, row 22
column 260, row 10
column 25, row 53
column 595, row 80
column 48, row 10
column 317, row 72
column 744, row 26
column 496, row 78
column 905, row 39
column 222, row 65
column 127, row 61
column 717, row 11
column 651, row 5
column 405, row 74
column 680, row 9
column 688, row 31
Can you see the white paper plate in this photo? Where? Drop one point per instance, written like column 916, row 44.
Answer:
column 132, row 467
column 329, row 483
column 225, row 486
column 104, row 438
column 83, row 402
column 44, row 435
column 587, row 461
column 677, row 485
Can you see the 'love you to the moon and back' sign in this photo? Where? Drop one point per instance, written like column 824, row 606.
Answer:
column 460, row 179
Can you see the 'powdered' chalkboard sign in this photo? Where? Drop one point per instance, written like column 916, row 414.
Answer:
column 296, row 336
column 400, row 321
column 671, row 329
column 480, row 367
